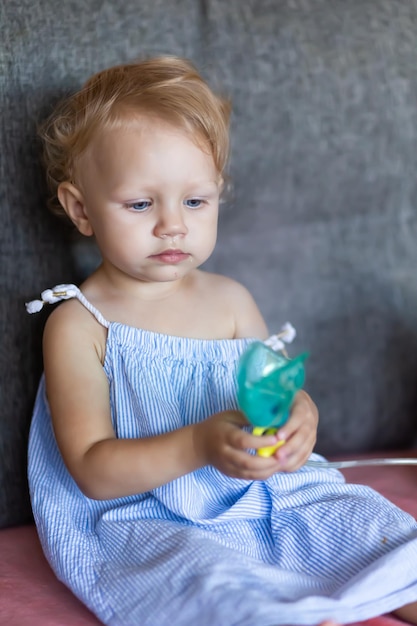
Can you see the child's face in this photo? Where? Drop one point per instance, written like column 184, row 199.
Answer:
column 150, row 196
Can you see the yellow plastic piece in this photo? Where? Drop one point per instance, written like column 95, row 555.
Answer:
column 268, row 450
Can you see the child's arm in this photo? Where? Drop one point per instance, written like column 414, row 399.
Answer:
column 105, row 467
column 78, row 394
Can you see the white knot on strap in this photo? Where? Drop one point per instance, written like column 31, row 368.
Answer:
column 65, row 292
column 51, row 296
column 286, row 335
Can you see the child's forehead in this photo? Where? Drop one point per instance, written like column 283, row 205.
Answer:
column 145, row 146
column 137, row 127
column 145, row 123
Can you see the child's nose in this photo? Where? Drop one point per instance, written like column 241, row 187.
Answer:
column 170, row 223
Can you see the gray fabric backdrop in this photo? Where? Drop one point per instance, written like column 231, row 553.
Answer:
column 321, row 220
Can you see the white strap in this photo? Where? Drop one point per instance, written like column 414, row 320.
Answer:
column 64, row 292
column 286, row 335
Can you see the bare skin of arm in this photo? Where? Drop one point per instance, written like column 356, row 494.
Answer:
column 106, row 467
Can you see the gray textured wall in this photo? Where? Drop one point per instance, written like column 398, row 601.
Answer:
column 320, row 224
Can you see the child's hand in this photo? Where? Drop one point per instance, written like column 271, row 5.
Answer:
column 299, row 434
column 220, row 441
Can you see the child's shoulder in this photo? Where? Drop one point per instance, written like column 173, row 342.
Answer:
column 225, row 286
column 70, row 323
column 69, row 313
column 236, row 302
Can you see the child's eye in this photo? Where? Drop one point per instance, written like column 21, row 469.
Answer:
column 141, row 205
column 193, row 203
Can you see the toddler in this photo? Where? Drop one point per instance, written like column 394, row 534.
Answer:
column 150, row 501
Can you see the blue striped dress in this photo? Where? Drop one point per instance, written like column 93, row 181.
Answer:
column 206, row 549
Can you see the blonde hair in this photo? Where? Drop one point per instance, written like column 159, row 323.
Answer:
column 165, row 87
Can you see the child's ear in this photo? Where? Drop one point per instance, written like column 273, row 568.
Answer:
column 72, row 202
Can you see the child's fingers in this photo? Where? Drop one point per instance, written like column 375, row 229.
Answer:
column 252, row 467
column 300, row 434
column 287, row 450
column 296, row 450
column 242, row 439
column 291, row 461
column 303, row 413
column 257, row 442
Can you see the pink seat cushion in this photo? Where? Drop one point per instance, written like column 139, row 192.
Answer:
column 30, row 595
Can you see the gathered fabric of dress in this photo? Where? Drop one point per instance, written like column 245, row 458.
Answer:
column 207, row 549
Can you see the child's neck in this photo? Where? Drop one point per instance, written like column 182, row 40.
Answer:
column 183, row 308
column 112, row 285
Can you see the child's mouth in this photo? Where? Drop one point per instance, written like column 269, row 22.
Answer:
column 171, row 256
